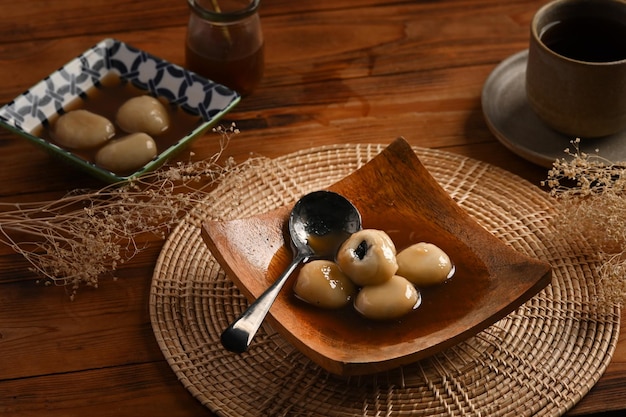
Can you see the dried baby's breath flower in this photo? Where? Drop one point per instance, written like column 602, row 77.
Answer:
column 613, row 277
column 86, row 234
column 592, row 195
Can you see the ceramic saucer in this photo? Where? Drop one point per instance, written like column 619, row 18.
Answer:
column 517, row 127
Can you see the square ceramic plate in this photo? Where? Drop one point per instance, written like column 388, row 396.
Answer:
column 28, row 113
column 394, row 192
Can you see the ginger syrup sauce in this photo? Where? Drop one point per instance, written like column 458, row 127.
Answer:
column 241, row 74
column 225, row 43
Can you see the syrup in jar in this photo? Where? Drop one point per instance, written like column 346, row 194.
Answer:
column 225, row 43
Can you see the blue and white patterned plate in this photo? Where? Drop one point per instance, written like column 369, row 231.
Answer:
column 47, row 99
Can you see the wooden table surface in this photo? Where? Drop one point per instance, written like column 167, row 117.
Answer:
column 337, row 71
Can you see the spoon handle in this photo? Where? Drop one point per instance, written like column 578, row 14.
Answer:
column 237, row 337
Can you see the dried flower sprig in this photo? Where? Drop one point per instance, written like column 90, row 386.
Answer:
column 592, row 194
column 77, row 239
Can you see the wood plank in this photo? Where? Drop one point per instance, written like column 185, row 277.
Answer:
column 369, row 41
column 45, row 20
column 146, row 389
column 104, row 327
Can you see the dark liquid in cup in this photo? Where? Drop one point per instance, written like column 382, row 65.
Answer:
column 239, row 74
column 587, row 39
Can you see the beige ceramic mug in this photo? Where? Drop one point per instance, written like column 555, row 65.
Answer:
column 576, row 71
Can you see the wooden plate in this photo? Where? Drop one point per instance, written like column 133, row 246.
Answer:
column 395, row 193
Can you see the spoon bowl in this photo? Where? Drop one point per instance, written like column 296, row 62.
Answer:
column 318, row 224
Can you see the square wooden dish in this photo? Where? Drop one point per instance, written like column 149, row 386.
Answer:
column 394, row 192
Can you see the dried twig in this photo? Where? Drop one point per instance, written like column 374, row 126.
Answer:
column 77, row 239
column 592, row 195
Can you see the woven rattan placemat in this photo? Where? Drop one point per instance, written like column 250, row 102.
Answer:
column 540, row 360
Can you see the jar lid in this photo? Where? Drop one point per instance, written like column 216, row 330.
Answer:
column 216, row 14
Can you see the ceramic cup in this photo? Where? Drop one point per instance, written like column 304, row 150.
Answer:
column 576, row 71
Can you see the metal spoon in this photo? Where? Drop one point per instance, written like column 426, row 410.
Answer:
column 318, row 224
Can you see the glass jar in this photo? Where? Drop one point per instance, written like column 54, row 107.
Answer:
column 225, row 43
